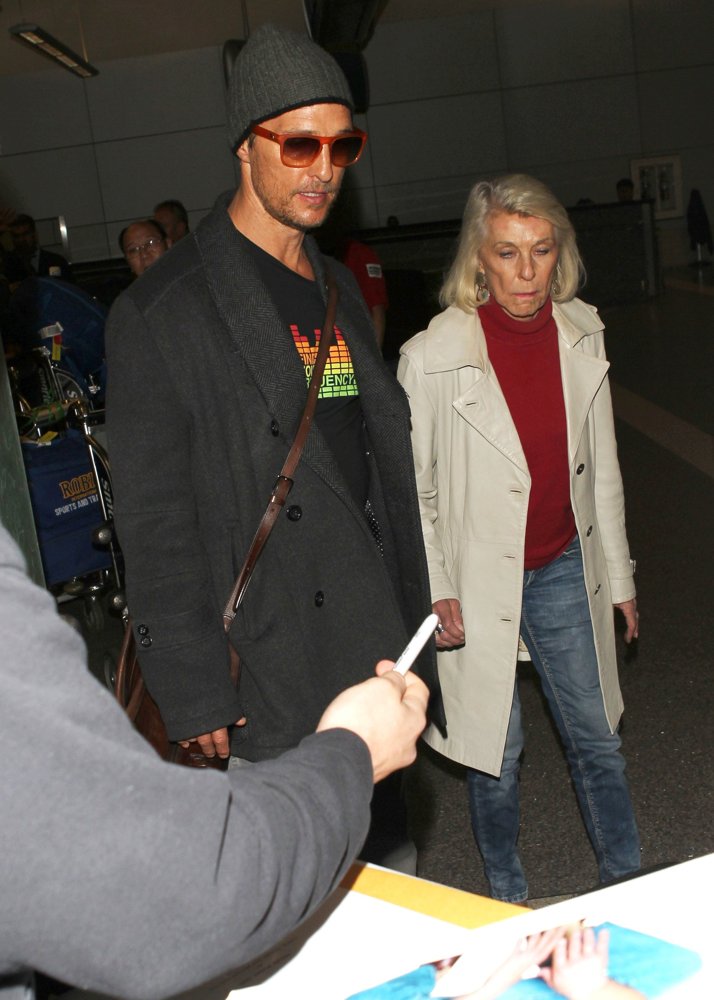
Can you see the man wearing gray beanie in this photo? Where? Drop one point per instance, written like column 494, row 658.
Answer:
column 210, row 354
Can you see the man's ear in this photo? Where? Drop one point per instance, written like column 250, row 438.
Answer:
column 243, row 151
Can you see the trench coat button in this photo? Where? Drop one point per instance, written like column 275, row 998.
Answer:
column 319, row 599
column 274, row 428
column 294, row 513
column 589, row 531
column 580, row 469
column 146, row 641
column 142, row 629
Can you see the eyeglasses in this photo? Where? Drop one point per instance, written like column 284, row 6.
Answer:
column 302, row 150
column 152, row 245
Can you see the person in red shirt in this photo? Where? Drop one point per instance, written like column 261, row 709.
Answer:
column 366, row 266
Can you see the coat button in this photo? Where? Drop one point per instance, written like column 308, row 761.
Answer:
column 274, row 428
column 146, row 641
column 589, row 531
column 579, row 470
column 319, row 599
column 294, row 513
column 143, row 629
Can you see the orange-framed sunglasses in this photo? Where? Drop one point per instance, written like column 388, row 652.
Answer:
column 302, row 150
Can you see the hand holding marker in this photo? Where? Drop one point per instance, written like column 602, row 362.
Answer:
column 416, row 644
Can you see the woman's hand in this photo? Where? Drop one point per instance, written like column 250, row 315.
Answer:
column 449, row 612
column 531, row 951
column 578, row 968
column 632, row 619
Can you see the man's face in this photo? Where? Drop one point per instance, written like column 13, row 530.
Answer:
column 172, row 225
column 143, row 245
column 298, row 197
column 24, row 239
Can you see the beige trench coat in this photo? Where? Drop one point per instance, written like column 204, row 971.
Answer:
column 473, row 485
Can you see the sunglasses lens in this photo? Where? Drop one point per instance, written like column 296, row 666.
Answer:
column 346, row 151
column 300, row 150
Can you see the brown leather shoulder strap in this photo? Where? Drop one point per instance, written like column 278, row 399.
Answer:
column 284, row 482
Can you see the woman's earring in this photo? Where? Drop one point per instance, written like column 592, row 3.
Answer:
column 481, row 287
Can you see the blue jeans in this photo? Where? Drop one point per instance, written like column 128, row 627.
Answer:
column 557, row 629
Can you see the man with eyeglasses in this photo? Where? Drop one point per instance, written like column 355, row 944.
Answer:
column 209, row 359
column 142, row 243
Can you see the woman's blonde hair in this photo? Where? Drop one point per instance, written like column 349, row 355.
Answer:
column 517, row 194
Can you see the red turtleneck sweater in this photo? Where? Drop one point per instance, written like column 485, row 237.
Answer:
column 524, row 354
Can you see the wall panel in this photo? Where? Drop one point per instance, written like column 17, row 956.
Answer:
column 171, row 92
column 548, row 42
column 573, row 121
column 45, row 110
column 136, row 173
column 414, row 60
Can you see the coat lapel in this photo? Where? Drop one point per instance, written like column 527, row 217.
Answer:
column 459, row 345
column 582, row 375
column 250, row 319
column 263, row 343
column 483, row 406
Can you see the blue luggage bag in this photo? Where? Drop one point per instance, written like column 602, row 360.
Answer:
column 39, row 304
column 66, row 505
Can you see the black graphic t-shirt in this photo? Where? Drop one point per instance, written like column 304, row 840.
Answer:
column 338, row 413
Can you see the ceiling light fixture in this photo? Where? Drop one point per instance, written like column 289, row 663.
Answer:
column 41, row 41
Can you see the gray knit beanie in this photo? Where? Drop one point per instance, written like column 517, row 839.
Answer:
column 278, row 70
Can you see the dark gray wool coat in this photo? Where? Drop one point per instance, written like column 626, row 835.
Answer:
column 205, row 394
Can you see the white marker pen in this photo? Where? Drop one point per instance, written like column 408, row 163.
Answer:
column 416, row 644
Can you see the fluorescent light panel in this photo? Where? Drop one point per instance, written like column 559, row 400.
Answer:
column 41, row 41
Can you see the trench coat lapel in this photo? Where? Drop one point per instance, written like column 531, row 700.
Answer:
column 481, row 403
column 484, row 407
column 582, row 375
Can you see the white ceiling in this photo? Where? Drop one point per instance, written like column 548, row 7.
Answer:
column 116, row 29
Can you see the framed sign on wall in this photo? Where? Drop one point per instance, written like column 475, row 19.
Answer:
column 659, row 179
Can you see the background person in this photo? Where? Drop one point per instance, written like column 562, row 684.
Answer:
column 523, row 516
column 363, row 261
column 135, row 878
column 173, row 218
column 28, row 258
column 625, row 189
column 142, row 243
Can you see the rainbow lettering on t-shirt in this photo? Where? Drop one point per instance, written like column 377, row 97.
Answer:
column 339, row 376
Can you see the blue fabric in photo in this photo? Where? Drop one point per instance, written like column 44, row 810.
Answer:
column 644, row 963
column 415, row 985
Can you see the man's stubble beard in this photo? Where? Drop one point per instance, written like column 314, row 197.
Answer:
column 281, row 213
column 295, row 222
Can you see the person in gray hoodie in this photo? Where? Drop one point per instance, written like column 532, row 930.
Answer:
column 125, row 875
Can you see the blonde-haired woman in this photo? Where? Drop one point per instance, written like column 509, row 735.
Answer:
column 523, row 517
